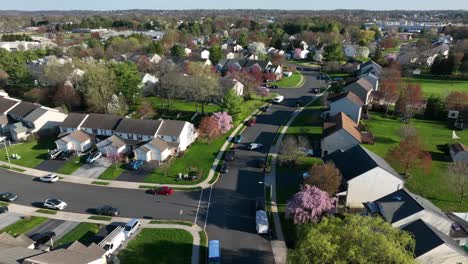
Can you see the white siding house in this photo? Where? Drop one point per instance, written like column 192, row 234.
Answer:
column 78, row 141
column 44, row 118
column 205, row 54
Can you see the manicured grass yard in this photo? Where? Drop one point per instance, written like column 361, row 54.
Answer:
column 435, row 185
column 70, row 166
column 84, row 233
column 24, row 225
column 289, row 82
column 180, row 105
column 439, row 87
column 162, row 246
column 112, row 172
column 32, row 153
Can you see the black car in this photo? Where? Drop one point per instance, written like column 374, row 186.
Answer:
column 274, row 87
column 66, row 154
column 107, row 210
column 230, row 155
column 3, row 209
column 223, row 168
column 8, row 196
column 265, row 108
column 44, row 238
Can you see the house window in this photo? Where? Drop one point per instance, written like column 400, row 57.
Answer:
column 95, row 131
column 139, row 137
column 174, row 138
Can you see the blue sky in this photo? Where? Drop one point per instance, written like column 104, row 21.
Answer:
column 231, row 4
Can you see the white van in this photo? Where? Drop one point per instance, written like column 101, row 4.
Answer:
column 131, row 227
column 113, row 241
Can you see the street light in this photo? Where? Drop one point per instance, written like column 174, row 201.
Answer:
column 6, row 149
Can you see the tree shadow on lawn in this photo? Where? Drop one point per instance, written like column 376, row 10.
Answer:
column 439, row 156
column 384, row 140
column 162, row 251
column 432, row 198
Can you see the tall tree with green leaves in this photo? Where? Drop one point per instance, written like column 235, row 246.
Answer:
column 178, row 51
column 156, row 47
column 352, row 239
column 99, row 85
column 334, row 52
column 232, row 103
column 216, row 53
column 128, row 79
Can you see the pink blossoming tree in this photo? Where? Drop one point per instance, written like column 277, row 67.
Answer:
column 224, row 121
column 309, row 204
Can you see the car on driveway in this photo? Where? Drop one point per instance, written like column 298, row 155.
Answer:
column 55, row 204
column 273, row 87
column 51, row 178
column 135, row 165
column 255, row 146
column 93, row 157
column 223, row 168
column 165, row 190
column 278, row 99
column 230, row 155
column 252, row 121
column 238, row 139
column 8, row 196
column 44, row 238
column 265, row 108
column 107, row 210
column 66, row 154
column 3, row 209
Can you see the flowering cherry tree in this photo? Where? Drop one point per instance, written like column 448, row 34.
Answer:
column 309, row 204
column 224, row 121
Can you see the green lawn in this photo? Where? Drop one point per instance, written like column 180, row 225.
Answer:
column 70, row 166
column 200, row 155
column 112, row 172
column 439, row 87
column 161, row 246
column 308, row 122
column 203, row 247
column 32, row 153
column 24, row 225
column 435, row 135
column 180, row 105
column 84, row 233
column 289, row 82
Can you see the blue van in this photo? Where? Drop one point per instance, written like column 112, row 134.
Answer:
column 214, row 252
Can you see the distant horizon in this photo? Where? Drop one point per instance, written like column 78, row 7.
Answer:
column 188, row 5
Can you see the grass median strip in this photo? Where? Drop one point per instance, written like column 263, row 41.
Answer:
column 46, row 211
column 12, row 168
column 170, row 222
column 4, row 204
column 70, row 166
column 84, row 233
column 203, row 246
column 100, row 183
column 24, row 225
column 112, row 172
column 100, row 217
column 159, row 245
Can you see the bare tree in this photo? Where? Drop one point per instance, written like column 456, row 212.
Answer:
column 458, row 172
column 291, row 149
column 326, row 177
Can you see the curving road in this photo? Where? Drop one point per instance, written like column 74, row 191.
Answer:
column 227, row 210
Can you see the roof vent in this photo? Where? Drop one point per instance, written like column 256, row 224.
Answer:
column 397, row 198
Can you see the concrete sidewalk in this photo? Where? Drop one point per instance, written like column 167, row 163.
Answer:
column 83, row 179
column 145, row 223
column 280, row 250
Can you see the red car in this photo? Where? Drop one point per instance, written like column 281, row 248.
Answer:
column 252, row 121
column 162, row 191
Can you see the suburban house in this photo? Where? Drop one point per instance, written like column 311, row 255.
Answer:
column 300, row 53
column 340, row 133
column 77, row 140
column 100, row 124
column 459, row 152
column 73, row 122
column 205, row 54
column 369, row 67
column 148, row 83
column 43, row 118
column 226, row 84
column 173, row 137
column 18, row 131
column 432, row 246
column 137, row 129
column 356, row 51
column 225, row 66
column 373, row 80
column 348, row 103
column 75, row 253
column 6, row 104
column 14, row 250
column 113, row 145
column 362, row 88
column 21, row 110
column 366, row 176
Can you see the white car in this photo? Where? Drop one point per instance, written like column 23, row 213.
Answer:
column 49, row 178
column 55, row 204
column 278, row 99
column 305, row 175
column 254, row 146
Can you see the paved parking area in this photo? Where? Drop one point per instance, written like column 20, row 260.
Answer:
column 51, row 165
column 8, row 219
column 59, row 227
column 93, row 170
column 140, row 174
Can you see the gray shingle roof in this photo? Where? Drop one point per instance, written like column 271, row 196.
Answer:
column 101, row 121
column 35, row 114
column 6, row 104
column 73, row 120
column 23, row 109
column 138, row 126
column 426, row 239
column 171, row 127
column 346, row 162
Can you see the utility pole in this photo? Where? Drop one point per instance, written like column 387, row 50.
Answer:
column 6, row 149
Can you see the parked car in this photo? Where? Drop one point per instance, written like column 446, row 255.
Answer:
column 92, row 157
column 51, row 178
column 214, row 252
column 265, row 108
column 230, row 155
column 305, row 175
column 55, row 204
column 107, row 210
column 66, row 154
column 135, row 164
column 165, row 190
column 315, row 90
column 53, row 154
column 278, row 99
column 238, row 139
column 131, row 227
column 8, row 196
column 44, row 238
column 261, row 218
column 223, row 168
column 255, row 146
column 3, row 209
column 252, row 121
column 274, row 87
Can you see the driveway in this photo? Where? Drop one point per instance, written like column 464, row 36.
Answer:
column 51, row 165
column 59, row 227
column 140, row 174
column 8, row 219
column 93, row 170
